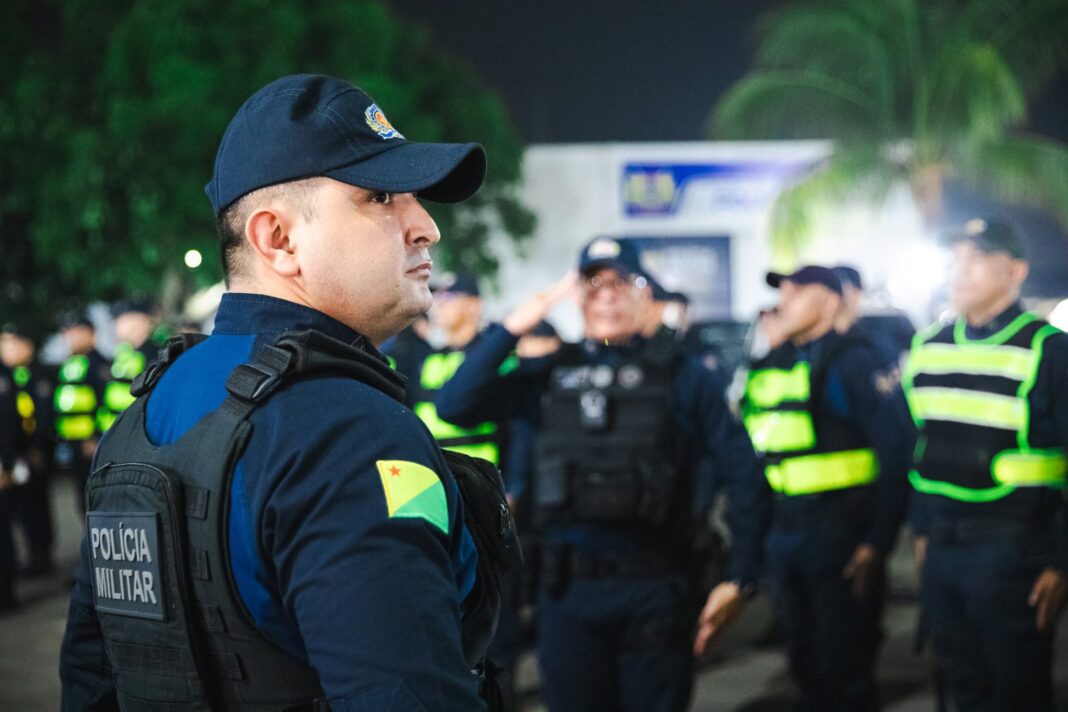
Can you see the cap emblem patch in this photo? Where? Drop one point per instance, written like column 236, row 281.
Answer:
column 379, row 123
column 604, row 249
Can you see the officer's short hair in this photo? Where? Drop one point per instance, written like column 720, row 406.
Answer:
column 231, row 222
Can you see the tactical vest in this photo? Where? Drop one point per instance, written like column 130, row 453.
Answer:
column 804, row 451
column 608, row 451
column 177, row 632
column 969, row 398
column 129, row 363
column 75, row 401
column 27, row 407
column 483, row 440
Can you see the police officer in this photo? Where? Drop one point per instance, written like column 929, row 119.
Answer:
column 894, row 331
column 621, row 424
column 341, row 530
column 10, row 435
column 79, row 396
column 34, row 385
column 989, row 394
column 834, row 435
column 134, row 351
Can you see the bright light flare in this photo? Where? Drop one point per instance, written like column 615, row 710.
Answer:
column 193, row 259
column 921, row 271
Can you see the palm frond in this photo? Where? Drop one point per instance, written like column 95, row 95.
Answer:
column 973, row 92
column 1024, row 168
column 791, row 104
column 856, row 173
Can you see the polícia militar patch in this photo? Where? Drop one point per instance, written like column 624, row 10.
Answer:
column 124, row 555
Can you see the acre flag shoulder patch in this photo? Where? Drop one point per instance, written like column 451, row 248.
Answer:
column 415, row 491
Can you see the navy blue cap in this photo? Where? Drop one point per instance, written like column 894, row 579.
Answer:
column 458, row 283
column 309, row 125
column 620, row 255
column 990, row 235
column 676, row 297
column 71, row 319
column 14, row 329
column 544, row 329
column 809, row 274
column 848, row 275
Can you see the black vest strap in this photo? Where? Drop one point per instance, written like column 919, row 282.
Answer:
column 174, row 348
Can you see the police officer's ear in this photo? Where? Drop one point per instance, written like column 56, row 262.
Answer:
column 268, row 231
column 1020, row 269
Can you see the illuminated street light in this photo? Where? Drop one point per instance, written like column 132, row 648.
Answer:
column 193, row 259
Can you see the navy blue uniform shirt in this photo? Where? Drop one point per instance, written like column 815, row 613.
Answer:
column 373, row 603
column 1049, row 419
column 861, row 388
column 701, row 413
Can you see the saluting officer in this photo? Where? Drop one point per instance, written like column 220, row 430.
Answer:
column 834, row 435
column 270, row 527
column 622, row 423
column 989, row 394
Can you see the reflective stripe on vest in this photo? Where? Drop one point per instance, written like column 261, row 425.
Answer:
column 823, row 472
column 768, row 388
column 76, row 427
column 992, row 357
column 74, row 369
column 781, row 431
column 128, row 364
column 117, row 396
column 75, row 398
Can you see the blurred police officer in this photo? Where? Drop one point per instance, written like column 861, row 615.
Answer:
column 352, row 574
column 890, row 335
column 989, row 393
column 10, row 436
column 622, row 424
column 79, row 396
column 134, row 351
column 834, row 435
column 34, row 385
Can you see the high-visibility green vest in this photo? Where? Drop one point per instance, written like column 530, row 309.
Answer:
column 75, row 401
column 24, row 399
column 479, row 441
column 129, row 363
column 970, row 401
column 777, row 412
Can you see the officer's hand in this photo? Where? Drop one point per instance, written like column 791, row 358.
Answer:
column 919, row 552
column 529, row 313
column 861, row 569
column 5, row 480
column 88, row 448
column 725, row 603
column 1048, row 596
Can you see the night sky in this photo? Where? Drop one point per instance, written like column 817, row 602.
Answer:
column 637, row 71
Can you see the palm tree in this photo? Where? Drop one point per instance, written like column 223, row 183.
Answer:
column 912, row 92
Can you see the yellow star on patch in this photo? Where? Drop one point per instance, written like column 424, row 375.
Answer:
column 415, row 491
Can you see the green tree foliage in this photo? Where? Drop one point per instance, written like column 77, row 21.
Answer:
column 911, row 91
column 110, row 114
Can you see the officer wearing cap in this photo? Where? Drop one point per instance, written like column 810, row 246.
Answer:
column 34, row 385
column 134, row 351
column 989, row 394
column 79, row 395
column 333, row 566
column 834, row 437
column 892, row 333
column 10, row 435
column 621, row 424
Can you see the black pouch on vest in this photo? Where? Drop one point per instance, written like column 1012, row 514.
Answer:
column 491, row 525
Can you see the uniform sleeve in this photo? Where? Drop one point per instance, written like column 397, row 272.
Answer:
column 877, row 405
column 478, row 391
column 10, row 423
column 1053, row 378
column 375, row 597
column 723, row 439
column 84, row 670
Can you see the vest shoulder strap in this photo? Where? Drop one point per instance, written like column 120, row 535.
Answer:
column 175, row 347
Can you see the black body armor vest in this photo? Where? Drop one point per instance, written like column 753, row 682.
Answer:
column 177, row 633
column 608, row 450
